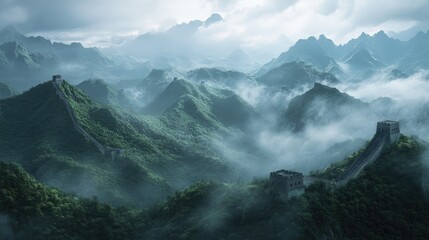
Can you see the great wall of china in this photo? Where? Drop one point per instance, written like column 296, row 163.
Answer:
column 114, row 153
column 387, row 133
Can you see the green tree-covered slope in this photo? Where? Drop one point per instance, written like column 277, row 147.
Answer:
column 30, row 210
column 37, row 132
column 386, row 201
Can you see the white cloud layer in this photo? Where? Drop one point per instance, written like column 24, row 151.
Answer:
column 247, row 23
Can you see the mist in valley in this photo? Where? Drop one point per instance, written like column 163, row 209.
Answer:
column 169, row 117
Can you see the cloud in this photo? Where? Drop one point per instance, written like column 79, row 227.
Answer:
column 409, row 97
column 252, row 24
column 13, row 15
column 411, row 89
column 330, row 137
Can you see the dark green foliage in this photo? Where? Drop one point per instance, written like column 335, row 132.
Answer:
column 36, row 212
column 98, row 90
column 335, row 169
column 386, row 201
column 200, row 107
column 36, row 131
column 218, row 211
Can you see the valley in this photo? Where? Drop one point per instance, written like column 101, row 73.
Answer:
column 212, row 125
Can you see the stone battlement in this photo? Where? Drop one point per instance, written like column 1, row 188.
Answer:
column 387, row 133
column 105, row 150
column 285, row 180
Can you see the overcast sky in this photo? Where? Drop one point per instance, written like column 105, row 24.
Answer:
column 248, row 22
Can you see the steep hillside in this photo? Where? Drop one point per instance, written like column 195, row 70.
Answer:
column 384, row 48
column 156, row 82
column 384, row 202
column 6, row 91
column 387, row 200
column 294, row 74
column 362, row 60
column 416, row 58
column 305, row 50
column 37, row 132
column 322, row 105
column 30, row 210
column 201, row 106
column 20, row 66
column 101, row 92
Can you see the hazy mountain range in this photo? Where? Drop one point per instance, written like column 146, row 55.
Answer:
column 362, row 55
column 26, row 61
column 200, row 133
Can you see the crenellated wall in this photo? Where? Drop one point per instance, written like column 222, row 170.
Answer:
column 105, row 150
column 387, row 133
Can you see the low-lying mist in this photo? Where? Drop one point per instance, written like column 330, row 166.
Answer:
column 269, row 147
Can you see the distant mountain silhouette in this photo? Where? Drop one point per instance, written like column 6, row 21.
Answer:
column 417, row 55
column 295, row 74
column 27, row 61
column 174, row 42
column 308, row 51
column 365, row 54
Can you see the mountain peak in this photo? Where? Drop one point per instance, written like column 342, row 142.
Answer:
column 322, row 37
column 320, row 88
column 381, row 34
column 305, row 108
column 420, row 36
column 312, row 38
column 214, row 18
column 363, row 35
column 326, row 42
column 319, row 85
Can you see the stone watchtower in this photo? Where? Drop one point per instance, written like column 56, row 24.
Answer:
column 57, row 78
column 390, row 129
column 284, row 180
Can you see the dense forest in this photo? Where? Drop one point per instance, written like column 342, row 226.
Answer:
column 386, row 201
